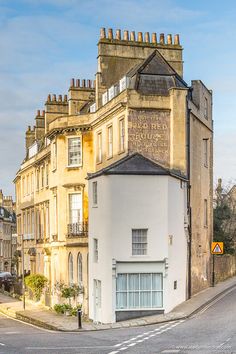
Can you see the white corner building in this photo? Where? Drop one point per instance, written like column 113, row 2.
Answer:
column 137, row 240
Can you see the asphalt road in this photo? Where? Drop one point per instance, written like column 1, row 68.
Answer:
column 213, row 330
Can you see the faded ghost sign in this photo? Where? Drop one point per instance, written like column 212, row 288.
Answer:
column 149, row 134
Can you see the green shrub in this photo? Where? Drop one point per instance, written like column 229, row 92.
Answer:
column 62, row 308
column 59, row 308
column 36, row 283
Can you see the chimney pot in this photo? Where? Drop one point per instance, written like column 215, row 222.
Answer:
column 177, row 39
column 118, row 34
column 132, row 36
column 147, row 37
column 169, row 39
column 162, row 38
column 54, row 97
column 65, row 98
column 83, row 83
column 72, row 82
column 154, row 38
column 43, row 113
column 77, row 82
column 110, row 33
column 140, row 37
column 38, row 112
column 49, row 98
column 102, row 33
column 89, row 83
column 126, row 35
column 60, row 98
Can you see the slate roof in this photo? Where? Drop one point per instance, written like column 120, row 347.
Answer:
column 155, row 76
column 136, row 164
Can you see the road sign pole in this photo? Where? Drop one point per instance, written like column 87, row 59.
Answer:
column 213, row 270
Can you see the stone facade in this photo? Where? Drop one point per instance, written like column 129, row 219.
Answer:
column 138, row 103
column 7, row 234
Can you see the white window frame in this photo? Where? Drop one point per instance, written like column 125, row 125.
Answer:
column 79, row 164
column 80, row 268
column 139, row 248
column 95, row 193
column 121, row 135
column 110, row 141
column 99, row 147
column 54, row 155
column 95, row 250
column 138, row 291
column 70, row 196
column 70, row 269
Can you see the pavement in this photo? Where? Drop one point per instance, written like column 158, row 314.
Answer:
column 48, row 319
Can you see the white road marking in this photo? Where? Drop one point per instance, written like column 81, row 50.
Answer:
column 156, row 331
column 63, row 348
column 171, row 351
column 2, row 344
column 12, row 332
column 213, row 302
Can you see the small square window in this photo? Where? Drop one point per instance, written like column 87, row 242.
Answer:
column 95, row 193
column 139, row 242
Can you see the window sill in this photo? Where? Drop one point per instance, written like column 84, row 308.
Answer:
column 95, row 206
column 73, row 167
column 98, row 162
column 109, row 157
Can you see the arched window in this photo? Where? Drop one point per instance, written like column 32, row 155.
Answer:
column 80, row 268
column 70, row 268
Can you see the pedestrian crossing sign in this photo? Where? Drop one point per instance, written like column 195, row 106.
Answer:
column 217, row 247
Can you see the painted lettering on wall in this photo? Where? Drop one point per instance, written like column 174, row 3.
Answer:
column 149, row 134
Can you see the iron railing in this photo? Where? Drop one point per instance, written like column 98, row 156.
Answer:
column 77, row 229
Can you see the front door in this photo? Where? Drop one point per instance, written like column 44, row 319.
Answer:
column 97, row 300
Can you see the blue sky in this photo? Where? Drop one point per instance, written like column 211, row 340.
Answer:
column 44, row 43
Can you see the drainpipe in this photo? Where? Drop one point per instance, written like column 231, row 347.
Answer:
column 188, row 197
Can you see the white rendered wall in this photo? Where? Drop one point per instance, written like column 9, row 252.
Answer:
column 127, row 202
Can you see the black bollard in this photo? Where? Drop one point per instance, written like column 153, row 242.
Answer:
column 79, row 313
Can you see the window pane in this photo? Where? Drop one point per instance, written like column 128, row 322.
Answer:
column 133, row 300
column 145, row 299
column 121, row 300
column 145, row 281
column 121, row 282
column 74, row 151
column 156, row 299
column 133, row 283
column 156, row 281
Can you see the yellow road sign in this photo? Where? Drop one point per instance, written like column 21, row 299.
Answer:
column 217, row 247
